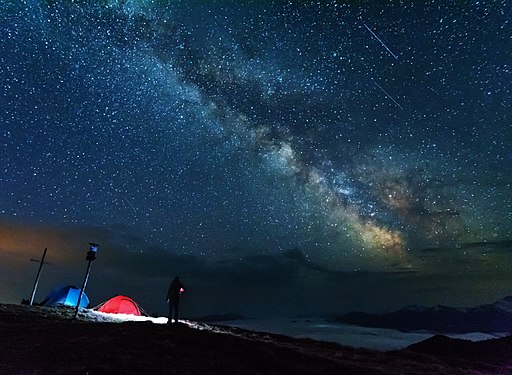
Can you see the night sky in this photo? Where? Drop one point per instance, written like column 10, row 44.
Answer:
column 300, row 157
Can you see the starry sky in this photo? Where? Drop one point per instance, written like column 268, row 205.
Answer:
column 280, row 156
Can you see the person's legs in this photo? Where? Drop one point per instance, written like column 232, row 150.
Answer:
column 176, row 307
column 169, row 319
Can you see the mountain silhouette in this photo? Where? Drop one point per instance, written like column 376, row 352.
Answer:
column 490, row 318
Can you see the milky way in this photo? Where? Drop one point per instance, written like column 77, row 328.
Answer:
column 359, row 133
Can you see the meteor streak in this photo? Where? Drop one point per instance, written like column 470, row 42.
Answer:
column 381, row 42
column 389, row 96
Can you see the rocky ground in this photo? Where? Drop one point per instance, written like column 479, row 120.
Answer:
column 39, row 340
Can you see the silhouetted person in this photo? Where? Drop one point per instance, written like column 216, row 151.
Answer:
column 173, row 298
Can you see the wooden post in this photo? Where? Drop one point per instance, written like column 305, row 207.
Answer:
column 37, row 278
column 91, row 255
column 83, row 288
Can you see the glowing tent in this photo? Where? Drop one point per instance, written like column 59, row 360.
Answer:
column 65, row 295
column 121, row 305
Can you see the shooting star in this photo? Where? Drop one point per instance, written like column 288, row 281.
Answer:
column 381, row 42
column 129, row 204
column 389, row 96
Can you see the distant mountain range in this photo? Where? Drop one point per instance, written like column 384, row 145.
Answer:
column 491, row 318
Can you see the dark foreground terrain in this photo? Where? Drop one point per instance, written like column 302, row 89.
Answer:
column 37, row 340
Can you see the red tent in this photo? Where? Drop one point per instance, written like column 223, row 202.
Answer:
column 121, row 305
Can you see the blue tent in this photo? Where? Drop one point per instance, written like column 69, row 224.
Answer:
column 65, row 295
